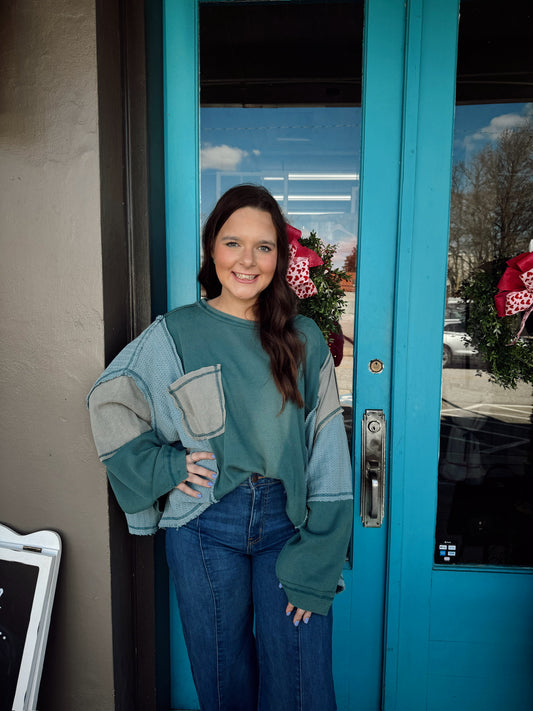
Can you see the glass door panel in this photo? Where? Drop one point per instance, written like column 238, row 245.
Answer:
column 308, row 157
column 485, row 501
column 282, row 110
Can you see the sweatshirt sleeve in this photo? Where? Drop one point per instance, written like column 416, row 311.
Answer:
column 310, row 565
column 141, row 468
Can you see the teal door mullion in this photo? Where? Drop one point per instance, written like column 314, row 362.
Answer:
column 181, row 119
column 421, row 280
column 378, row 218
column 411, row 80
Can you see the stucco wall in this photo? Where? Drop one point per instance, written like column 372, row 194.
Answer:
column 51, row 327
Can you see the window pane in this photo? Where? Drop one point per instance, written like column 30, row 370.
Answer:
column 485, row 504
column 281, row 110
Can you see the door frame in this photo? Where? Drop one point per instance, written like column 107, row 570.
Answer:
column 124, row 142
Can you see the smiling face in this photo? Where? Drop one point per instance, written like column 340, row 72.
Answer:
column 245, row 256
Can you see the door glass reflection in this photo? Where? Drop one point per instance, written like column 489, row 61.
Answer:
column 309, row 160
column 485, row 491
column 485, row 508
column 279, row 110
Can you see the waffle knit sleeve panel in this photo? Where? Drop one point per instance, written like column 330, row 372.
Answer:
column 310, row 565
column 136, row 426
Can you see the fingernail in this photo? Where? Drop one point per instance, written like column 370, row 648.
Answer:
column 212, row 456
column 198, row 496
column 296, row 623
column 306, row 620
column 287, row 613
column 214, row 475
column 280, row 586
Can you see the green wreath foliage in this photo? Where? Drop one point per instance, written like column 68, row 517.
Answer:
column 328, row 305
column 491, row 334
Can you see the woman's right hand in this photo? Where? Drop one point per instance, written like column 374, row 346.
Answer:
column 196, row 474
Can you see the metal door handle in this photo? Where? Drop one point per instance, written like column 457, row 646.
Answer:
column 373, row 478
column 373, row 439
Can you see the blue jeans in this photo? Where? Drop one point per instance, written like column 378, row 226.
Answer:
column 223, row 568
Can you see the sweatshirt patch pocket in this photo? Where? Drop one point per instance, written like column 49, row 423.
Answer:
column 200, row 398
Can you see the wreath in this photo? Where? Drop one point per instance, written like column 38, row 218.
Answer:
column 319, row 286
column 498, row 305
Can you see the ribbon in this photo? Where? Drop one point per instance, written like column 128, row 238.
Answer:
column 301, row 259
column 515, row 290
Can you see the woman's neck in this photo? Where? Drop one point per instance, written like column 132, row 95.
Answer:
column 245, row 311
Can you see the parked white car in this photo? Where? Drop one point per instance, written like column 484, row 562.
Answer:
column 455, row 342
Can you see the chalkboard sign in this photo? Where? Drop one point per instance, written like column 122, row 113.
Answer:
column 28, row 575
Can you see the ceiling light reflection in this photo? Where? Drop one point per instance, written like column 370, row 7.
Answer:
column 316, row 198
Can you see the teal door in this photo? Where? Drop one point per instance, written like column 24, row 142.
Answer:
column 413, row 630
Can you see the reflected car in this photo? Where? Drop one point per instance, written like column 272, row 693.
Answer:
column 455, row 345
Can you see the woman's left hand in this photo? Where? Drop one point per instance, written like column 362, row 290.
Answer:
column 299, row 615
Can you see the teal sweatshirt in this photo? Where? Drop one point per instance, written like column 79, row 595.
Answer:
column 199, row 379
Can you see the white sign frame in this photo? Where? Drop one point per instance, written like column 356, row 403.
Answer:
column 41, row 549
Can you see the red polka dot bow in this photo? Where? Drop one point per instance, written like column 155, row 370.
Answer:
column 516, row 289
column 301, row 259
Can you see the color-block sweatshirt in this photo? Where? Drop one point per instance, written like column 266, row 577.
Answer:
column 199, row 380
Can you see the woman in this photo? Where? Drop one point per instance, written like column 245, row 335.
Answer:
column 230, row 406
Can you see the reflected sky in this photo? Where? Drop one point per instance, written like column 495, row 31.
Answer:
column 307, row 157
column 480, row 124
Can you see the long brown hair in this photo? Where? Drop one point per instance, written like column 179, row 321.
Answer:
column 276, row 306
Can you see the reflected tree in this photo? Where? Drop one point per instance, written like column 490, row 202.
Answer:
column 350, row 261
column 492, row 204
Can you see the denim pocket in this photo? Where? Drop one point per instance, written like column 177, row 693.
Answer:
column 200, row 398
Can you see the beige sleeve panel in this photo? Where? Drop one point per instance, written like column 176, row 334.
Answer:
column 119, row 413
column 328, row 395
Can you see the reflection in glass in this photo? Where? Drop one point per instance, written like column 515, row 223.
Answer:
column 281, row 109
column 485, row 505
column 308, row 157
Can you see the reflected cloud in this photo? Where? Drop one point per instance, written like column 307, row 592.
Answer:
column 497, row 125
column 221, row 157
